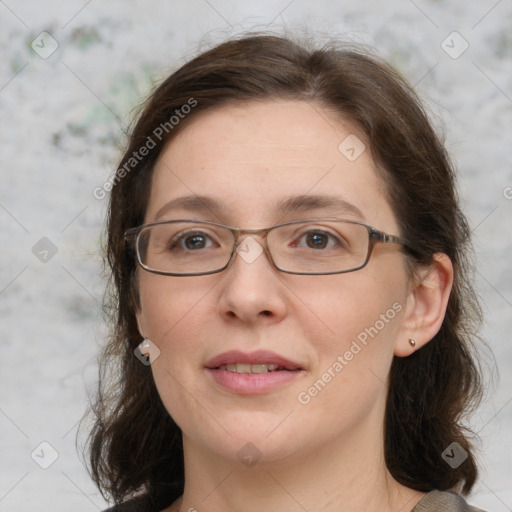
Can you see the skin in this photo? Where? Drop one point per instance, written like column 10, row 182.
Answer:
column 326, row 455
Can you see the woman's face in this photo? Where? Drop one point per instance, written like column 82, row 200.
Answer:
column 335, row 334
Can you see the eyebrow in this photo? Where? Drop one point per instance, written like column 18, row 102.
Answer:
column 335, row 205
column 203, row 204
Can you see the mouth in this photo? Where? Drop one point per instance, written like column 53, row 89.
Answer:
column 261, row 361
column 252, row 368
column 252, row 373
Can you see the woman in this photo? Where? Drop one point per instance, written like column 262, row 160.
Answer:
column 294, row 320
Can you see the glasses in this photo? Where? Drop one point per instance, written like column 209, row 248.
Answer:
column 308, row 247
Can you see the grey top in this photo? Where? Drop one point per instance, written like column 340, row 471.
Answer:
column 439, row 501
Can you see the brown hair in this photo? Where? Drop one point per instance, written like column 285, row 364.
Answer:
column 135, row 446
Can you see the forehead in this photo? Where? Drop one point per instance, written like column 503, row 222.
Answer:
column 252, row 156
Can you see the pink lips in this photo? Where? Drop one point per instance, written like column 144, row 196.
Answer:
column 252, row 383
column 258, row 357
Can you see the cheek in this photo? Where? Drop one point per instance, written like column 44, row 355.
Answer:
column 357, row 326
column 173, row 313
column 353, row 307
column 361, row 317
column 167, row 303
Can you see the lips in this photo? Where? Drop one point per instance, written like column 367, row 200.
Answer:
column 253, row 373
column 252, row 359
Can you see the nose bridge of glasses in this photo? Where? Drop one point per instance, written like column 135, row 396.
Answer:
column 240, row 235
column 249, row 244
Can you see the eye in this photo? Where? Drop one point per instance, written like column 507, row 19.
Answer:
column 191, row 241
column 319, row 239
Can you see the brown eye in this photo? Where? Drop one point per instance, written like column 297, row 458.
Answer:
column 318, row 239
column 191, row 241
column 197, row 241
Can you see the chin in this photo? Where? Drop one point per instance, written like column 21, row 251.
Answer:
column 250, row 436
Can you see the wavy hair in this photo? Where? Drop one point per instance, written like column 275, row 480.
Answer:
column 135, row 447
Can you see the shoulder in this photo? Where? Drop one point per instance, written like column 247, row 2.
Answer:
column 444, row 501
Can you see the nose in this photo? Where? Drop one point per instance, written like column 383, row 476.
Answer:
column 252, row 290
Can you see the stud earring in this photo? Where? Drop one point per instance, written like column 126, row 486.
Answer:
column 412, row 342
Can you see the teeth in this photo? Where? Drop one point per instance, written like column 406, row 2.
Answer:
column 249, row 368
column 260, row 368
column 243, row 368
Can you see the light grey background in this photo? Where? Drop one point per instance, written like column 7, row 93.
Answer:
column 62, row 119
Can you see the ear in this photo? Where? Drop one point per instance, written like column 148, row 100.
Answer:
column 426, row 305
column 144, row 346
column 138, row 317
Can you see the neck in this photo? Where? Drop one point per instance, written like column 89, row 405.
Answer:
column 341, row 476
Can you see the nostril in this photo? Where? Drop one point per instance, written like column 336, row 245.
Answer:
column 266, row 312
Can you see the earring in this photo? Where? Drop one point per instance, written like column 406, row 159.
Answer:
column 412, row 342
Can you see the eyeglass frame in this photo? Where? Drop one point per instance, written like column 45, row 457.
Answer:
column 375, row 236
